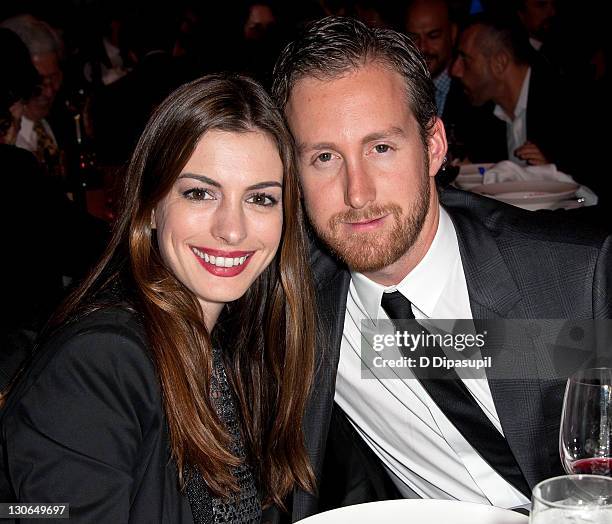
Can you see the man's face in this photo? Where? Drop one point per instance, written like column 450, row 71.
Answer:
column 260, row 22
column 47, row 65
column 538, row 16
column 367, row 179
column 429, row 26
column 473, row 69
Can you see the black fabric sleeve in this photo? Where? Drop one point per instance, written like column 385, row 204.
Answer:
column 76, row 433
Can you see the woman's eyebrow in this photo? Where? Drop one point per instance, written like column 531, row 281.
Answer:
column 210, row 181
column 201, row 178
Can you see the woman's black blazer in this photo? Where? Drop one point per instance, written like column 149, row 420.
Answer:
column 85, row 425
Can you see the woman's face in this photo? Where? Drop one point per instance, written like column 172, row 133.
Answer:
column 220, row 225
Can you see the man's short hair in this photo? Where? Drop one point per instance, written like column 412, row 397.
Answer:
column 37, row 35
column 335, row 46
column 502, row 32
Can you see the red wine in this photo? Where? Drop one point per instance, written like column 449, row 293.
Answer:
column 593, row 466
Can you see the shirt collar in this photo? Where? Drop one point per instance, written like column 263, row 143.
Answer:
column 442, row 79
column 424, row 285
column 26, row 126
column 521, row 103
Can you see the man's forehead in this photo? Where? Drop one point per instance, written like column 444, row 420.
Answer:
column 467, row 41
column 46, row 63
column 314, row 85
column 426, row 18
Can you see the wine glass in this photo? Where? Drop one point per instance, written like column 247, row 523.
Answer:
column 573, row 499
column 585, row 438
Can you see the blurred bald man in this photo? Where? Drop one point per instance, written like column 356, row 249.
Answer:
column 431, row 26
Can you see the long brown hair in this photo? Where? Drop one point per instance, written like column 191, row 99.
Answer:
column 270, row 360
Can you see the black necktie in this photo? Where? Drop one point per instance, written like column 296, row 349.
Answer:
column 453, row 398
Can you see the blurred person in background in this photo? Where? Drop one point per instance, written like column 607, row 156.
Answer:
column 534, row 116
column 19, row 82
column 43, row 133
column 430, row 24
column 121, row 109
column 538, row 17
column 260, row 40
column 48, row 241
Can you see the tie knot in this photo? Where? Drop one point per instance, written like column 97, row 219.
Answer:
column 397, row 306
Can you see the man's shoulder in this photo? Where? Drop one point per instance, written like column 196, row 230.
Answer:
column 506, row 223
column 325, row 266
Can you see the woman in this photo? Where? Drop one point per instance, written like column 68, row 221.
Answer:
column 173, row 384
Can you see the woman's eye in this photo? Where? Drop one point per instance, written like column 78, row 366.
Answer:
column 197, row 193
column 382, row 148
column 262, row 199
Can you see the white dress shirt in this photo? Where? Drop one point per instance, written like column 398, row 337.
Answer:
column 516, row 128
column 27, row 138
column 425, row 454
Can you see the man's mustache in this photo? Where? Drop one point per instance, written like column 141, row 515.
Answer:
column 361, row 215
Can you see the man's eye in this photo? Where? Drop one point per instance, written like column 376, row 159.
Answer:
column 382, row 148
column 262, row 199
column 197, row 193
column 324, row 157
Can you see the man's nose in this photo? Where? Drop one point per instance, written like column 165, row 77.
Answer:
column 360, row 189
column 425, row 47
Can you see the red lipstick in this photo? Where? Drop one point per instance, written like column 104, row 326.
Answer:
column 204, row 253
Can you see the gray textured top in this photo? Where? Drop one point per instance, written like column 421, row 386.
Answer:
column 245, row 506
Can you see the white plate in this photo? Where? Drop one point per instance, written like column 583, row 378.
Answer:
column 468, row 181
column 470, row 175
column 531, row 194
column 473, row 169
column 413, row 511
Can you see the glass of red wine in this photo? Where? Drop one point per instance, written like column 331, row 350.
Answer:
column 585, row 438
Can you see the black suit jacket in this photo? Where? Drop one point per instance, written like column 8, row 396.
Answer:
column 517, row 264
column 86, row 426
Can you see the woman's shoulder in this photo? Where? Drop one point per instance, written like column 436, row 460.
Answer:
column 116, row 320
column 101, row 336
column 100, row 358
column 86, row 418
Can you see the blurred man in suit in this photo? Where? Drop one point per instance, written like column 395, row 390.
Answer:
column 430, row 24
column 538, row 17
column 361, row 106
column 534, row 116
column 37, row 133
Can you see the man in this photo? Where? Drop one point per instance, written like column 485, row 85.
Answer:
column 535, row 121
column 36, row 133
column 121, row 109
column 538, row 17
column 361, row 106
column 428, row 23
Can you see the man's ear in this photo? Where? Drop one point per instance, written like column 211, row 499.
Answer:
column 437, row 147
column 499, row 62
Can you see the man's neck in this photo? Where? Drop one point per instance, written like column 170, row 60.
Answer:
column 511, row 88
column 396, row 272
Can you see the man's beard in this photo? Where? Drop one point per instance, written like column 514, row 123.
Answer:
column 373, row 250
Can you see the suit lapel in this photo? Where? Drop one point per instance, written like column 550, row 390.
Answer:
column 494, row 295
column 332, row 284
